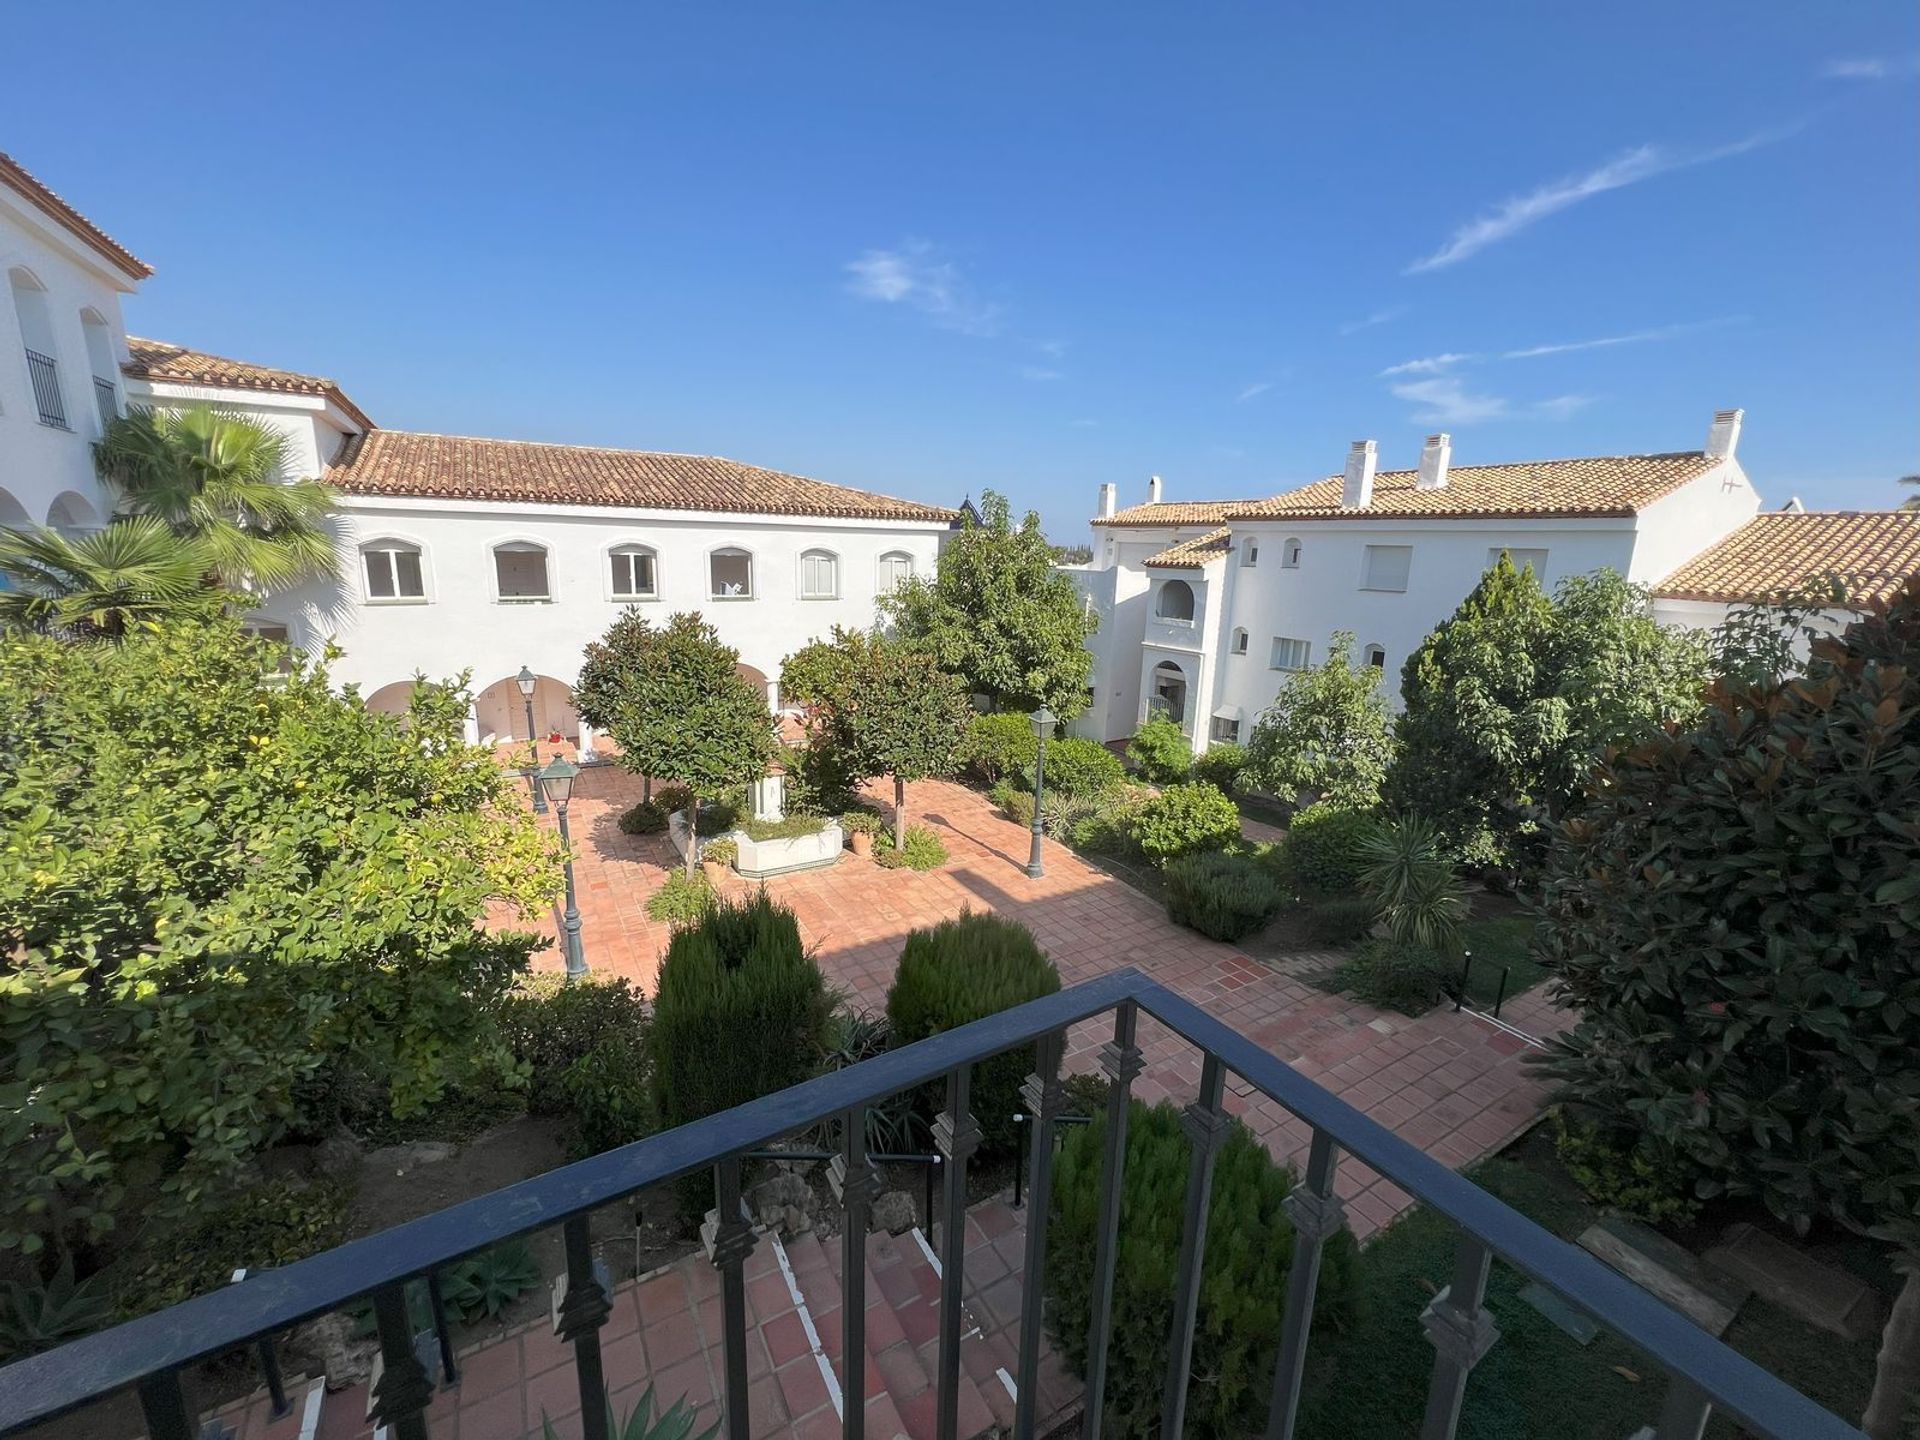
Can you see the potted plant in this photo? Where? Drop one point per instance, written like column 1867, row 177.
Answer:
column 717, row 857
column 861, row 826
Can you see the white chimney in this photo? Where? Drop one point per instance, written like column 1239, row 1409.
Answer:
column 1107, row 500
column 1153, row 489
column 1724, row 437
column 1434, row 456
column 1793, row 506
column 1357, row 492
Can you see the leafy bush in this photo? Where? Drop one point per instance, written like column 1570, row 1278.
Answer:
column 719, row 816
column 673, row 797
column 1326, row 846
column 483, row 1285
column 1183, row 819
column 1103, row 826
column 722, row 850
column 1338, row 922
column 1222, row 896
column 1328, row 733
column 959, row 971
column 272, row 1223
column 36, row 1316
column 1016, row 802
column 1077, row 766
column 550, row 1024
column 1160, row 752
column 998, row 745
column 1411, row 882
column 861, row 822
column 645, row 818
column 1627, row 1171
column 1243, row 1280
column 923, row 850
column 681, row 899
column 1224, row 767
column 790, row 828
column 1395, row 975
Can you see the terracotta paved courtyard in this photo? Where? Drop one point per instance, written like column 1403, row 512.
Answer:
column 1451, row 1083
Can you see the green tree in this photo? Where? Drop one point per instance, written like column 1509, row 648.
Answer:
column 999, row 616
column 103, row 583
column 1912, row 502
column 221, row 478
column 1327, row 731
column 673, row 698
column 220, row 885
column 1732, row 914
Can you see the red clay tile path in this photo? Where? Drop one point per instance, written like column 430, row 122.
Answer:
column 1451, row 1083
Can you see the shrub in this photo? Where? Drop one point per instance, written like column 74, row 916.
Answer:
column 483, row 1285
column 550, row 1024
column 923, row 850
column 722, row 850
column 681, row 899
column 1327, row 733
column 860, row 822
column 1338, row 922
column 1183, row 819
column 270, row 1224
column 1160, row 752
column 1411, row 882
column 1223, row 766
column 646, row 818
column 672, row 797
column 1222, row 896
column 1103, row 826
column 1627, row 1171
column 1395, row 975
column 959, row 971
column 1243, row 1279
column 719, row 816
column 1325, row 846
column 787, row 829
column 40, row 1316
column 894, row 1123
column 1080, row 767
column 998, row 745
column 1016, row 802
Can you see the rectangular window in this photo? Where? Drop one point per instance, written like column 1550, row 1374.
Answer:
column 394, row 575
column 819, row 577
column 521, row 572
column 1224, row 730
column 1387, row 567
column 632, row 573
column 1521, row 559
column 1289, row 654
column 730, row 574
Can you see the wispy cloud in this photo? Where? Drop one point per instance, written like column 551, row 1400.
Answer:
column 1249, row 392
column 1378, row 317
column 1428, row 364
column 1562, row 407
column 1871, row 67
column 1606, row 342
column 1446, row 400
column 916, row 275
column 1511, row 216
column 1040, row 373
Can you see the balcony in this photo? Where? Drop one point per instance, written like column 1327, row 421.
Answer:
column 150, row 1354
column 47, row 399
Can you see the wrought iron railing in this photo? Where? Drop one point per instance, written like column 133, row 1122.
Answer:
column 107, row 400
column 45, row 375
column 149, row 1354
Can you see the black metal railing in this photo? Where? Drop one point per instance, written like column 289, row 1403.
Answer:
column 149, row 1354
column 107, row 400
column 45, row 375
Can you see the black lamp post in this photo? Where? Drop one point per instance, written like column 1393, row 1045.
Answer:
column 527, row 680
column 1043, row 720
column 557, row 780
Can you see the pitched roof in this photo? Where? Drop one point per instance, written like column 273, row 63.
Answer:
column 1191, row 554
column 1176, row 512
column 35, row 192
column 458, row 467
column 1602, row 485
column 161, row 360
column 1872, row 551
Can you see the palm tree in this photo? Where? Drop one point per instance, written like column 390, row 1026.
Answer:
column 99, row 583
column 221, row 479
column 1912, row 502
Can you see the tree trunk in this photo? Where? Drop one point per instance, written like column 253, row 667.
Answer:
column 899, row 813
column 1897, row 1372
column 693, row 834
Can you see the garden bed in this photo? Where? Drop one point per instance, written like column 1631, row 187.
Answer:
column 787, row 854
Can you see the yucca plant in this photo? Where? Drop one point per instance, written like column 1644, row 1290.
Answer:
column 39, row 1317
column 639, row 1423
column 103, row 582
column 1406, row 873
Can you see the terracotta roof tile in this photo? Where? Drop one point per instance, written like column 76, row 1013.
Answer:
column 1873, row 551
column 160, row 360
column 19, row 179
column 1177, row 512
column 1598, row 486
column 1191, row 554
column 456, row 467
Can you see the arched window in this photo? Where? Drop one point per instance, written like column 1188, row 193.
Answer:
column 819, row 575
column 520, row 572
column 1376, row 656
column 730, row 574
column 1175, row 601
column 1168, row 693
column 1239, row 641
column 36, row 337
column 393, row 571
column 106, row 395
column 896, row 568
column 1250, row 553
column 634, row 576
column 1290, row 554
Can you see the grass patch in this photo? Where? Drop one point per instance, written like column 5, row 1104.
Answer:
column 1496, row 945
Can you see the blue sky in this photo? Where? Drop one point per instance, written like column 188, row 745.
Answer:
column 933, row 249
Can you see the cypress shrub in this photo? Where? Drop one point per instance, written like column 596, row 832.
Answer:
column 1326, row 845
column 962, row 970
column 1222, row 896
column 1243, row 1281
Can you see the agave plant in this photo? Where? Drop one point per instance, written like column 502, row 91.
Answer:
column 133, row 570
column 639, row 1423
column 490, row 1281
column 1406, row 873
column 39, row 1317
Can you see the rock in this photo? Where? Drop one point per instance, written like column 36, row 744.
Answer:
column 1792, row 1279
column 786, row 1201
column 329, row 1346
column 894, row 1212
column 337, row 1156
column 402, row 1158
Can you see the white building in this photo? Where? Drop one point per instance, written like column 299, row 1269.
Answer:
column 1206, row 606
column 457, row 554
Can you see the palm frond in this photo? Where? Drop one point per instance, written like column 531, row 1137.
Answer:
column 99, row 583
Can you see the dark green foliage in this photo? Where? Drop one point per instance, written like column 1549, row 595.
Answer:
column 1080, row 767
column 741, row 1011
column 1411, row 883
column 1103, row 826
column 645, row 818
column 894, row 1123
column 483, row 1285
column 36, row 1316
column 269, row 1224
column 1338, row 922
column 861, row 822
column 998, row 746
column 1326, row 846
column 672, row 797
column 790, row 828
column 1160, row 752
column 1327, row 734
column 640, row 1423
column 682, row 898
column 1222, row 896
column 585, row 1045
column 1223, row 766
column 1018, row 803
column 1183, row 819
column 962, row 970
column 1395, row 975
column 1734, row 913
column 1243, row 1286
column 923, row 850
column 1619, row 1171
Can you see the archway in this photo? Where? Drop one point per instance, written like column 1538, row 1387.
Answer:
column 502, row 711
column 72, row 513
column 1167, row 694
column 391, row 699
column 1175, row 601
column 757, row 678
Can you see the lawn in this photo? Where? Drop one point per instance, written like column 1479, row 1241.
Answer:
column 1498, row 945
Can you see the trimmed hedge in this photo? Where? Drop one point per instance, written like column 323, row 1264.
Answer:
column 962, row 970
column 997, row 746
column 1183, row 819
column 1079, row 767
column 1325, row 845
column 1243, row 1279
column 1222, row 896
